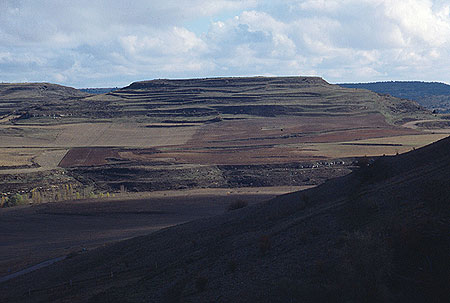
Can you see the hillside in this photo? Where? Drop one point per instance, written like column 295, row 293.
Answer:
column 24, row 96
column 379, row 234
column 199, row 101
column 202, row 100
column 199, row 133
column 28, row 91
column 432, row 95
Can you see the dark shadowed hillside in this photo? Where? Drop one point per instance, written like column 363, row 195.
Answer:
column 379, row 234
column 432, row 95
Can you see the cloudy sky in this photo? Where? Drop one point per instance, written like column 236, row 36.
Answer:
column 103, row 43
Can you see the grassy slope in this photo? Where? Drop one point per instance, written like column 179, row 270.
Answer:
column 379, row 234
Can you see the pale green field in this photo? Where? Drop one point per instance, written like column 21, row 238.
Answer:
column 357, row 149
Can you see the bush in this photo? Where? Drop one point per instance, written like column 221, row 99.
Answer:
column 4, row 201
column 237, row 204
column 15, row 200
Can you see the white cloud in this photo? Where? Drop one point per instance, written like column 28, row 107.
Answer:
column 322, row 5
column 97, row 43
column 419, row 20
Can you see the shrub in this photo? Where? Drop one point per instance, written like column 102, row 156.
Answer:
column 15, row 200
column 4, row 201
column 237, row 204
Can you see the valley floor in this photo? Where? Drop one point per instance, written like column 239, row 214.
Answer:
column 33, row 234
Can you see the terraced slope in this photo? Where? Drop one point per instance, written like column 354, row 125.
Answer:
column 201, row 100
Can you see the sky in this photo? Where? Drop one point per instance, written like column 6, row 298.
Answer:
column 109, row 43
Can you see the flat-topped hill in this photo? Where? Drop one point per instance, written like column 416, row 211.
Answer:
column 197, row 100
column 203, row 100
column 227, row 82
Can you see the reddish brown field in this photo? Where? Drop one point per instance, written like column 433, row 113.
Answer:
column 254, row 141
column 290, row 130
column 88, row 156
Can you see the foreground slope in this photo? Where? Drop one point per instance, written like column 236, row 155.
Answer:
column 378, row 234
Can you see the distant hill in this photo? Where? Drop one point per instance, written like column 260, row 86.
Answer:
column 99, row 90
column 191, row 100
column 207, row 132
column 203, row 100
column 432, row 95
column 28, row 91
column 22, row 97
column 379, row 234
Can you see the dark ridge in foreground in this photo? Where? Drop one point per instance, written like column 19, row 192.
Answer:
column 380, row 234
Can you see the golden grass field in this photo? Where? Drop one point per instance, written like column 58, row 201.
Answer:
column 46, row 145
